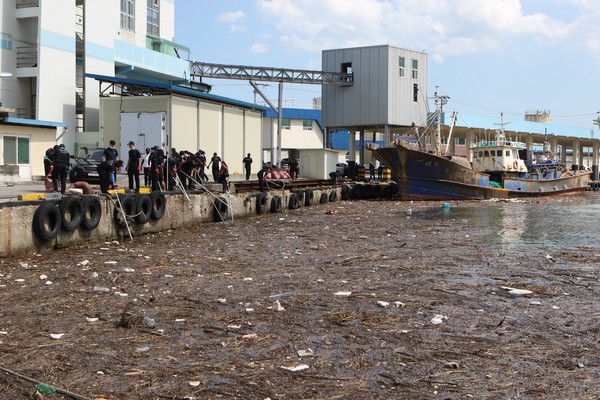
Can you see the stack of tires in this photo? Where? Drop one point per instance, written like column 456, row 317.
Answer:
column 68, row 214
column 139, row 208
column 74, row 212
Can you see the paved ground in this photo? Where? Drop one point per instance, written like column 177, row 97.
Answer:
column 12, row 192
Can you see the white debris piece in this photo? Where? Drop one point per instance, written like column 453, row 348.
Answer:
column 438, row 319
column 56, row 336
column 84, row 263
column 222, row 301
column 398, row 304
column 516, row 291
column 383, row 304
column 277, row 306
column 535, row 303
column 296, row 368
column 91, row 319
column 194, row 383
column 346, row 294
column 305, row 353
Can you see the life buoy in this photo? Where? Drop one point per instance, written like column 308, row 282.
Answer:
column 92, row 212
column 143, row 209
column 261, row 203
column 46, row 221
column 83, row 185
column 71, row 212
column 276, row 204
column 159, row 205
column 515, row 165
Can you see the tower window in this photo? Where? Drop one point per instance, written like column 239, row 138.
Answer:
column 127, row 15
column 401, row 65
column 153, row 20
column 415, row 69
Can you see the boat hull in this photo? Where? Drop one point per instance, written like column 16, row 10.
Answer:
column 426, row 176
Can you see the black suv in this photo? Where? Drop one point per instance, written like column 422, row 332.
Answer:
column 83, row 165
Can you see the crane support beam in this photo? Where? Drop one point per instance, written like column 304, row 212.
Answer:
column 268, row 74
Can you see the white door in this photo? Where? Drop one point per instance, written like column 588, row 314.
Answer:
column 16, row 150
column 143, row 129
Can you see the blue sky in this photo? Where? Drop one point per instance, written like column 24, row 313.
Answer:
column 489, row 56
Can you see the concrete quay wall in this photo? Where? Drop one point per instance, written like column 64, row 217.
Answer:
column 17, row 234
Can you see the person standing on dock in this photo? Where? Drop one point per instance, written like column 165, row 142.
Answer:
column 247, row 165
column 146, row 168
column 61, row 164
column 215, row 161
column 371, row 171
column 134, row 166
column 294, row 168
column 111, row 156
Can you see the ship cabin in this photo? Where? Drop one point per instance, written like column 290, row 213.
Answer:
column 499, row 155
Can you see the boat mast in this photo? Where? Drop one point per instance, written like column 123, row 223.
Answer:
column 439, row 103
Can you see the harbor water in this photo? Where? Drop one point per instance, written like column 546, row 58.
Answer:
column 555, row 223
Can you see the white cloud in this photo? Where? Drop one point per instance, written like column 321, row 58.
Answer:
column 445, row 27
column 260, row 48
column 231, row 16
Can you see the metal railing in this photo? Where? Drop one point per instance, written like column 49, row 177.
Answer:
column 27, row 56
column 27, row 113
column 28, row 3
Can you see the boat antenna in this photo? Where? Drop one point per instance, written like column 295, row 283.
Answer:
column 439, row 101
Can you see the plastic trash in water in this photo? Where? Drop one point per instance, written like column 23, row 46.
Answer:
column 445, row 206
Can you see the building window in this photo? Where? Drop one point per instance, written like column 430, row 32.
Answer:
column 347, row 69
column 460, row 141
column 401, row 62
column 307, row 125
column 153, row 22
column 127, row 15
column 415, row 69
column 415, row 92
column 6, row 42
column 16, row 150
column 285, row 123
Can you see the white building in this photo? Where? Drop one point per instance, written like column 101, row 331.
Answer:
column 48, row 46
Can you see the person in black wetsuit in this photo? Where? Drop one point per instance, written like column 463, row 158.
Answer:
column 261, row 178
column 134, row 165
column 61, row 165
column 247, row 165
column 215, row 161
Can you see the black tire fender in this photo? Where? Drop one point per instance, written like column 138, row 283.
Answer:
column 358, row 192
column 159, row 205
column 261, row 203
column 129, row 208
column 220, row 209
column 92, row 212
column 293, row 201
column 309, row 197
column 71, row 212
column 324, row 198
column 301, row 195
column 345, row 192
column 143, row 209
column 47, row 221
column 276, row 204
column 333, row 196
